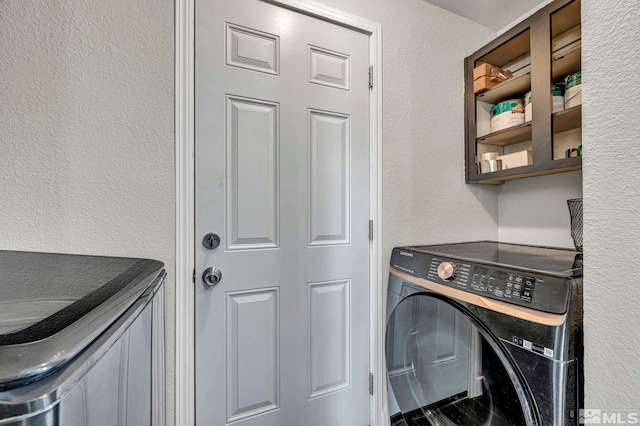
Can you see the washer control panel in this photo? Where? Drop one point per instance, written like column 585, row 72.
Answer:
column 534, row 290
column 519, row 288
column 457, row 273
column 503, row 285
column 483, row 280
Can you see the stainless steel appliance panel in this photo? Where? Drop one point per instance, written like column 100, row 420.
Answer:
column 117, row 379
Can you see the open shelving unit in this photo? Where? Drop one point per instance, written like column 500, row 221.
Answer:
column 540, row 51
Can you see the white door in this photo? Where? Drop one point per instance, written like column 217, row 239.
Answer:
column 282, row 176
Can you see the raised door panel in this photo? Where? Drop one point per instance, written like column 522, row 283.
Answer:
column 329, row 180
column 252, row 174
column 252, row 49
column 329, row 337
column 252, row 342
column 329, row 68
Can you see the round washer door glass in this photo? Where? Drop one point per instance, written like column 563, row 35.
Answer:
column 445, row 369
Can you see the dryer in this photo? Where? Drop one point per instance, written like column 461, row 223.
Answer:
column 484, row 333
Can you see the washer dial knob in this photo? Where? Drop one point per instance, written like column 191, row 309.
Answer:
column 447, row 271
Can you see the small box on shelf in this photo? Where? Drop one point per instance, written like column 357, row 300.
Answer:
column 485, row 76
column 481, row 70
column 483, row 83
column 516, row 159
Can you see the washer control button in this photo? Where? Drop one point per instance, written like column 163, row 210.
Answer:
column 447, row 271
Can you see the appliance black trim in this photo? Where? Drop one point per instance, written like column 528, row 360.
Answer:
column 72, row 313
column 98, row 290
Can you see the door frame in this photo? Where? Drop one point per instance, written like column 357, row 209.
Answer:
column 185, row 208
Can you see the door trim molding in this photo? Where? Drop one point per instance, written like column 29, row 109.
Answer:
column 185, row 207
column 184, row 373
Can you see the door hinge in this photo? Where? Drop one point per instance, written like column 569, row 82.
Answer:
column 370, row 77
column 371, row 383
column 371, row 230
column 194, row 276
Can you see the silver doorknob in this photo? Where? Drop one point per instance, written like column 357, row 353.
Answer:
column 212, row 276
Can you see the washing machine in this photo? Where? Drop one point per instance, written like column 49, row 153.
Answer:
column 484, row 333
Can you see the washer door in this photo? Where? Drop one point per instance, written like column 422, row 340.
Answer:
column 446, row 369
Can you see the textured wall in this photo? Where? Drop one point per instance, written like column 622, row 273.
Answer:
column 425, row 199
column 611, row 46
column 534, row 210
column 86, row 131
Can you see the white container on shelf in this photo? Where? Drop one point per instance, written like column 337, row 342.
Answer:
column 557, row 101
column 573, row 96
column 488, row 162
column 557, row 97
column 507, row 114
column 573, row 90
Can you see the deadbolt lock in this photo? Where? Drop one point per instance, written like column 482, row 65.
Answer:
column 211, row 241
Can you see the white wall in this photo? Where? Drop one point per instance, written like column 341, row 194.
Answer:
column 86, row 131
column 611, row 45
column 425, row 199
column 534, row 210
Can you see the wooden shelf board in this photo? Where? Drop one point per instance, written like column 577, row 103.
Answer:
column 507, row 89
column 502, row 175
column 499, row 177
column 510, row 136
column 568, row 119
column 565, row 18
column 510, row 50
column 565, row 65
column 573, row 163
